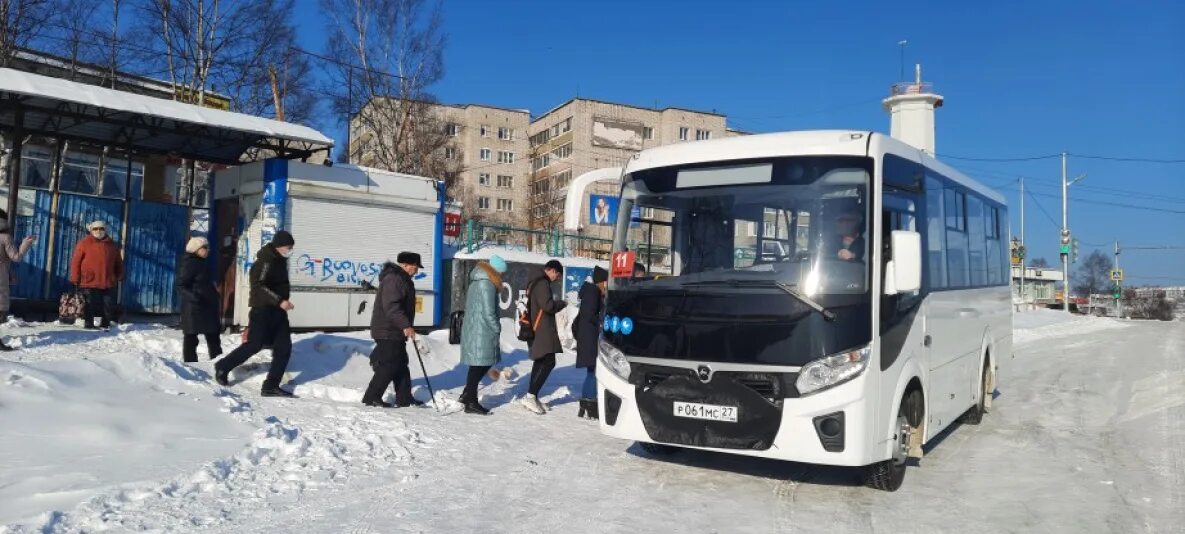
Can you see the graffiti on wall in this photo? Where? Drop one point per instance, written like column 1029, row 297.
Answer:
column 339, row 271
column 342, row 271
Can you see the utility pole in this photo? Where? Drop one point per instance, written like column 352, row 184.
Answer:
column 1065, row 240
column 1023, row 252
column 1118, row 291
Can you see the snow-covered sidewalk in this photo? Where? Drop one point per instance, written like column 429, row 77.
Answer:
column 1085, row 436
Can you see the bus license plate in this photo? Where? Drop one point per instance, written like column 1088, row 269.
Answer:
column 707, row 412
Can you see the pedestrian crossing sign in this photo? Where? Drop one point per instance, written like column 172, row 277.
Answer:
column 1117, row 275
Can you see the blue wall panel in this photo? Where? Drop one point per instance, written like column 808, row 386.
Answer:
column 74, row 213
column 156, row 238
column 30, row 271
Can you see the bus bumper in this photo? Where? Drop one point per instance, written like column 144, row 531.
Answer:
column 799, row 437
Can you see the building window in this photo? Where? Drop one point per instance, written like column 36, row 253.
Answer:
column 485, row 154
column 483, row 203
column 683, row 133
column 541, row 161
column 505, row 182
column 506, row 134
column 702, row 135
column 451, row 129
column 485, row 131
column 566, row 126
column 563, row 152
column 505, row 157
column 505, row 204
column 450, row 152
column 647, row 133
column 483, row 178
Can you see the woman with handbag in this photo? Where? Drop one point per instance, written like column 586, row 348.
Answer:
column 544, row 336
column 9, row 254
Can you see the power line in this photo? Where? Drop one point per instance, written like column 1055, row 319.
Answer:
column 1117, row 204
column 966, row 158
column 1042, row 208
column 1127, row 159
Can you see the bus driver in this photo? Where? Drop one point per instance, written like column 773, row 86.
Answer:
column 847, row 242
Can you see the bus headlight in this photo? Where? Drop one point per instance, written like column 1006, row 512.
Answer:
column 833, row 370
column 613, row 359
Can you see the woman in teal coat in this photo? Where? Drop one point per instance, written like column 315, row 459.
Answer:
column 481, row 331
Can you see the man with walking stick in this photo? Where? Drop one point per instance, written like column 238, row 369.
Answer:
column 391, row 328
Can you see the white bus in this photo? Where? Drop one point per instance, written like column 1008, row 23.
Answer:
column 881, row 317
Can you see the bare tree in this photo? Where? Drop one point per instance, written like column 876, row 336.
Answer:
column 21, row 21
column 228, row 47
column 1094, row 274
column 1039, row 263
column 384, row 55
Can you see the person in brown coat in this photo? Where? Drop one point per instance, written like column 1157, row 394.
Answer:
column 542, row 308
column 97, row 269
column 9, row 255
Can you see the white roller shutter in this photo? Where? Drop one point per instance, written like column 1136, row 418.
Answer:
column 339, row 244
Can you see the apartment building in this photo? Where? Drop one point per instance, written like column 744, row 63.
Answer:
column 583, row 134
column 488, row 148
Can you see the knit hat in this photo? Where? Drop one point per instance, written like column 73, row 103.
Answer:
column 600, row 275
column 283, row 239
column 195, row 244
column 554, row 265
column 96, row 224
column 498, row 264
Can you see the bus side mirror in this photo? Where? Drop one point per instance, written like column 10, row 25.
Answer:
column 903, row 274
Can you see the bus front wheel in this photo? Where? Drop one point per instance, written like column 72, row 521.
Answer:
column 889, row 474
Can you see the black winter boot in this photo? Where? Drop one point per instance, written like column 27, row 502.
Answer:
column 583, row 408
column 594, row 412
column 275, row 391
column 474, row 407
column 222, row 377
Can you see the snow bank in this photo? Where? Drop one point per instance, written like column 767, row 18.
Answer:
column 1037, row 325
column 75, row 428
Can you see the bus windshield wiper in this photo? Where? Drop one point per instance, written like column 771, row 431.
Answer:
column 786, row 288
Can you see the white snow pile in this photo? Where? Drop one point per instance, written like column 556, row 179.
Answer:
column 110, row 431
column 1037, row 325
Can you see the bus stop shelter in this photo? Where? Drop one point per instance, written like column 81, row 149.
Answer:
column 77, row 153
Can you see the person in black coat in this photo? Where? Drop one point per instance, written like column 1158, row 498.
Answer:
column 199, row 301
column 391, row 327
column 542, row 309
column 268, row 320
column 587, row 331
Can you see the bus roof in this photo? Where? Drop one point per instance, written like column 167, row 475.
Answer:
column 798, row 143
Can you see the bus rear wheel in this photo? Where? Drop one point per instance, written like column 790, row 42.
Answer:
column 888, row 475
column 974, row 416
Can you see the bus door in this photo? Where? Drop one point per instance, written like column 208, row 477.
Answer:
column 902, row 322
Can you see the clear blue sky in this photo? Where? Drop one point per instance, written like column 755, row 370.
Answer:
column 1020, row 79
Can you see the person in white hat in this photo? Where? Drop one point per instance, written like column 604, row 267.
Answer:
column 97, row 269
column 199, row 301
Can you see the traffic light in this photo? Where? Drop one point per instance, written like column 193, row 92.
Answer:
column 1065, row 242
column 1074, row 251
column 1117, row 292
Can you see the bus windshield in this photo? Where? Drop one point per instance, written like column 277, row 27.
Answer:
column 799, row 221
column 735, row 258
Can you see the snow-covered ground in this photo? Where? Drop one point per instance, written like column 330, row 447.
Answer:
column 110, row 432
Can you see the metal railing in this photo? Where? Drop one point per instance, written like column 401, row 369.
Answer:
column 910, row 88
column 478, row 235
